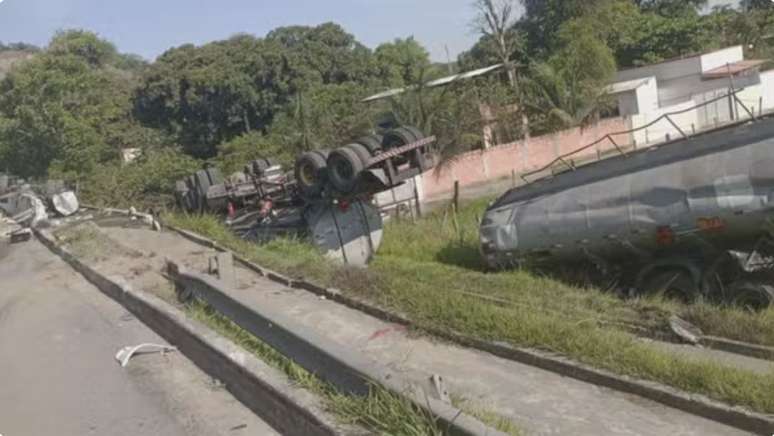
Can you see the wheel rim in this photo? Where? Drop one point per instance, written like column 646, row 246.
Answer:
column 308, row 175
column 344, row 170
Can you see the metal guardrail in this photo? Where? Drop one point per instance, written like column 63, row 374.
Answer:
column 563, row 159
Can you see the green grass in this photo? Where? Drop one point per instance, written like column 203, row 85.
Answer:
column 430, row 272
column 381, row 412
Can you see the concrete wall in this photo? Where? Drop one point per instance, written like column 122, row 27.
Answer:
column 722, row 57
column 679, row 80
column 480, row 167
column 663, row 130
column 767, row 84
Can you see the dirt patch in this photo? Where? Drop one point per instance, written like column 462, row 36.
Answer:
column 90, row 243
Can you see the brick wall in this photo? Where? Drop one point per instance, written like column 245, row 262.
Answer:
column 479, row 167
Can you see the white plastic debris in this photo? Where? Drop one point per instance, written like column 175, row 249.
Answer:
column 65, row 203
column 685, row 330
column 126, row 353
column 146, row 218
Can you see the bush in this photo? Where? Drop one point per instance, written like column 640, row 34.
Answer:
column 147, row 182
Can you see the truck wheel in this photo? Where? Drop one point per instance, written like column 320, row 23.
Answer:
column 752, row 296
column 181, row 190
column 202, row 186
column 215, row 176
column 258, row 167
column 406, row 135
column 372, row 142
column 193, row 194
column 401, row 136
column 362, row 152
column 672, row 284
column 344, row 167
column 311, row 172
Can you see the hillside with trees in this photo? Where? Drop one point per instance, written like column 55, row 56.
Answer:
column 70, row 108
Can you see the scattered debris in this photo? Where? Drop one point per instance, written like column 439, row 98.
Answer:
column 65, row 203
column 439, row 388
column 126, row 353
column 222, row 265
column 685, row 330
column 22, row 235
column 32, row 205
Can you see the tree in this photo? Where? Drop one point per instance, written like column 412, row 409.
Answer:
column 86, row 45
column 66, row 110
column 204, row 96
column 568, row 89
column 401, row 61
column 543, row 19
column 671, row 8
column 495, row 21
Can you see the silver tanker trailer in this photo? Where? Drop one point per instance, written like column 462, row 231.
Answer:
column 690, row 218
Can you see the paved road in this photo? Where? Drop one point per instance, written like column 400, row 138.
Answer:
column 58, row 376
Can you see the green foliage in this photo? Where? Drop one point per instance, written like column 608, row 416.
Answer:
column 234, row 154
column 567, row 90
column 207, row 95
column 401, row 62
column 147, row 182
column 85, row 45
column 66, row 110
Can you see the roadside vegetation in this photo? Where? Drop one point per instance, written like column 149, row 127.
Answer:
column 429, row 272
column 381, row 411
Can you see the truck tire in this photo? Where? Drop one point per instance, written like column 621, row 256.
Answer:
column 181, row 191
column 202, row 186
column 344, row 168
column 312, row 172
column 671, row 283
column 752, row 296
column 193, row 194
column 215, row 176
column 406, row 135
column 372, row 142
column 401, row 136
column 362, row 152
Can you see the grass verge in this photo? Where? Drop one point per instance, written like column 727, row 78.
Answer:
column 381, row 412
column 430, row 272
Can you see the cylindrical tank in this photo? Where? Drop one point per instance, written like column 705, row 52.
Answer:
column 710, row 193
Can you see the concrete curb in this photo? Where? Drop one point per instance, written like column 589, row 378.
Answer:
column 738, row 347
column 263, row 389
column 691, row 403
column 348, row 370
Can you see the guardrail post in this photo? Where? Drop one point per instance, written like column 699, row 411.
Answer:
column 675, row 126
column 617, row 147
column 456, row 199
column 744, row 106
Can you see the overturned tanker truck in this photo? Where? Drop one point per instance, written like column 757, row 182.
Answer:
column 691, row 218
column 328, row 198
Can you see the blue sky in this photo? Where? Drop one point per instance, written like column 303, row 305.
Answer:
column 148, row 27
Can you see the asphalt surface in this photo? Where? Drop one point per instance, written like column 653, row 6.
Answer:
column 58, row 374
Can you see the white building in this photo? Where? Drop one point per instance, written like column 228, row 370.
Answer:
column 678, row 86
